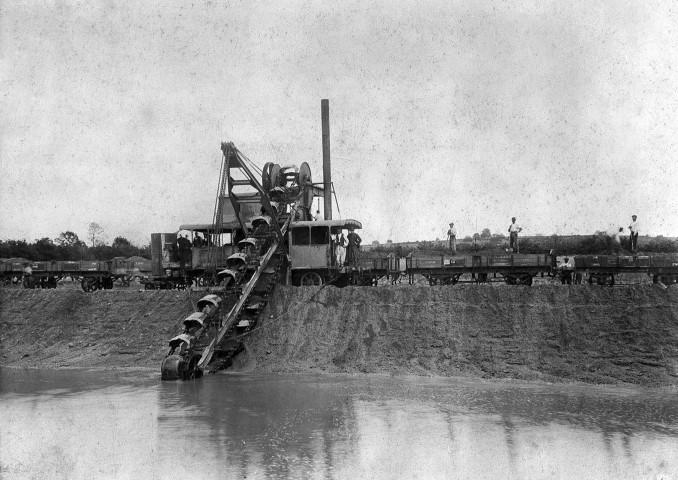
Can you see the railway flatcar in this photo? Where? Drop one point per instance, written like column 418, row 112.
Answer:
column 513, row 269
column 93, row 275
column 602, row 269
column 521, row 269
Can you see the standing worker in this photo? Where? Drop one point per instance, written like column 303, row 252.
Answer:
column 613, row 240
column 184, row 245
column 340, row 249
column 353, row 246
column 513, row 235
column 634, row 234
column 28, row 280
column 566, row 271
column 452, row 238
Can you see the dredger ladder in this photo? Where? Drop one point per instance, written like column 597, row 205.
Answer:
column 244, row 314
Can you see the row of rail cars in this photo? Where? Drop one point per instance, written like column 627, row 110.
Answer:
column 521, row 269
column 312, row 262
column 92, row 275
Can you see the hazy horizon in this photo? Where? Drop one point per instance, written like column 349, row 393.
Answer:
column 561, row 114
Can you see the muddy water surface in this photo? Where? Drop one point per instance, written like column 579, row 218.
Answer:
column 80, row 424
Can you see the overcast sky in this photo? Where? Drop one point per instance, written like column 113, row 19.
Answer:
column 563, row 114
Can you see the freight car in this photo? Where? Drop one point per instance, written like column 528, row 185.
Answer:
column 93, row 275
column 514, row 269
column 521, row 269
column 602, row 269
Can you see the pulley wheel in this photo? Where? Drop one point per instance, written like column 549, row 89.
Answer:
column 304, row 175
column 306, row 185
column 275, row 176
column 266, row 177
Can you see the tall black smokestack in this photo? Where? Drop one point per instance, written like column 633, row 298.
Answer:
column 327, row 170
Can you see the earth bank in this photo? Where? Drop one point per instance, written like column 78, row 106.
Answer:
column 546, row 332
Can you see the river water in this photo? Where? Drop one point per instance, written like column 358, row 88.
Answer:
column 82, row 424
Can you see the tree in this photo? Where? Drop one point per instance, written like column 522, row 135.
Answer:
column 123, row 247
column 486, row 233
column 121, row 242
column 95, row 234
column 68, row 239
column 45, row 249
column 476, row 236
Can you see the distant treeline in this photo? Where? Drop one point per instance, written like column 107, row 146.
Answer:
column 598, row 244
column 69, row 247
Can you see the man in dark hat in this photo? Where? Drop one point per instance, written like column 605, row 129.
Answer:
column 184, row 245
column 353, row 246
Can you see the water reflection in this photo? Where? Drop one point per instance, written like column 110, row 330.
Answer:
column 341, row 427
column 129, row 425
column 277, row 427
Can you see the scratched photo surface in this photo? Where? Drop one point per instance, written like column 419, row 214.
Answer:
column 559, row 113
column 562, row 114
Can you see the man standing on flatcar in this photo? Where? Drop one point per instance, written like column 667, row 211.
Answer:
column 452, row 238
column 613, row 240
column 514, row 229
column 353, row 246
column 634, row 234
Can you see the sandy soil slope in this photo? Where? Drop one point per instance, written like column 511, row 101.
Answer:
column 546, row 332
column 592, row 334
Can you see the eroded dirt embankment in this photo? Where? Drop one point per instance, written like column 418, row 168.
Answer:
column 592, row 334
column 71, row 328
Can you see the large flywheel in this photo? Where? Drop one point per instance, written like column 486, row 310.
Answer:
column 305, row 185
column 275, row 176
column 266, row 177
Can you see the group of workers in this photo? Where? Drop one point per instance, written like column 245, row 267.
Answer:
column 513, row 230
column 346, row 248
column 613, row 236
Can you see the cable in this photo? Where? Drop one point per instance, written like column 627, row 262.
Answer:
column 336, row 200
column 250, row 163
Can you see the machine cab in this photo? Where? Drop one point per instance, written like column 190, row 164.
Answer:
column 311, row 244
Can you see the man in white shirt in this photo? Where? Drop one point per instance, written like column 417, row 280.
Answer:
column 340, row 249
column 566, row 271
column 613, row 240
column 513, row 235
column 634, row 234
column 452, row 238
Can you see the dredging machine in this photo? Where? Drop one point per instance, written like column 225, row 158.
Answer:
column 262, row 234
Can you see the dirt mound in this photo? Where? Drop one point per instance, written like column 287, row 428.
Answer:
column 71, row 328
column 549, row 332
column 592, row 334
